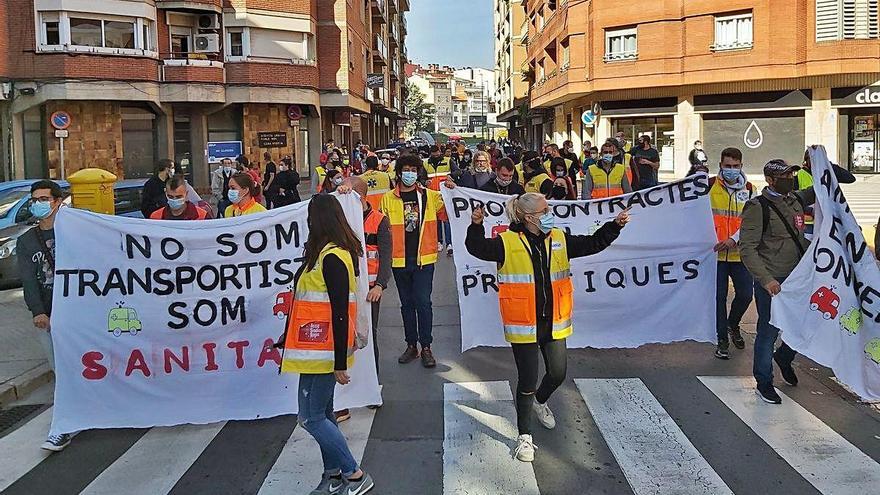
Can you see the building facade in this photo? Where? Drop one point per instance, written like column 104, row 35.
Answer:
column 463, row 99
column 150, row 79
column 768, row 77
column 511, row 95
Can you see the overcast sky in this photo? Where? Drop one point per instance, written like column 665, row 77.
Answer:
column 459, row 33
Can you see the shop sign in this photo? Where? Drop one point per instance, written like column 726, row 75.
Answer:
column 272, row 139
column 868, row 96
column 376, row 80
column 753, row 138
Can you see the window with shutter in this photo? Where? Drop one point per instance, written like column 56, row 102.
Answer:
column 847, row 20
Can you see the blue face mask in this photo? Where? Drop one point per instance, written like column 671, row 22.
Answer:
column 409, row 177
column 234, row 195
column 41, row 209
column 730, row 175
column 546, row 222
column 607, row 157
column 178, row 203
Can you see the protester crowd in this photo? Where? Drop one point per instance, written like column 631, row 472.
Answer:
column 761, row 236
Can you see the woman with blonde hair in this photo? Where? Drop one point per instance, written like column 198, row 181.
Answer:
column 535, row 294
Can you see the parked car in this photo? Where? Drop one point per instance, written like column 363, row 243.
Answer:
column 16, row 219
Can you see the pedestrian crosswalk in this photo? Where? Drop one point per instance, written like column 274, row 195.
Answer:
column 864, row 201
column 657, row 451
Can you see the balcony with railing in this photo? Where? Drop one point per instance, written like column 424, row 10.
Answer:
column 380, row 96
column 191, row 67
column 394, row 35
column 395, row 68
column 380, row 51
column 378, row 10
column 402, row 23
column 393, row 7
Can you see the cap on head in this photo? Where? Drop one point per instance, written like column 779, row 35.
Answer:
column 778, row 167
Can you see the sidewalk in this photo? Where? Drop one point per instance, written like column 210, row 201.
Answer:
column 23, row 366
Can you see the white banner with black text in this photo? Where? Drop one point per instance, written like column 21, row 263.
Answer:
column 159, row 323
column 655, row 284
column 829, row 307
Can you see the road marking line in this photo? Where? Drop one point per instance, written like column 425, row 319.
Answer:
column 479, row 435
column 299, row 466
column 156, row 462
column 654, row 454
column 20, row 450
column 823, row 457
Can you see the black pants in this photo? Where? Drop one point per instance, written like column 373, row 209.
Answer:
column 526, row 357
column 375, row 315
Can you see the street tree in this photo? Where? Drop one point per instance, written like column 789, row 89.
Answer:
column 420, row 114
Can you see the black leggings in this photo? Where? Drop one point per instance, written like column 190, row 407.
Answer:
column 526, row 357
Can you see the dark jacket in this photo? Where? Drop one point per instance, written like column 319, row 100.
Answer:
column 577, row 246
column 768, row 251
column 153, row 197
column 36, row 266
column 515, row 188
column 287, row 180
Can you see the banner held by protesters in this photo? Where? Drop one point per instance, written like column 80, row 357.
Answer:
column 829, row 307
column 165, row 323
column 643, row 289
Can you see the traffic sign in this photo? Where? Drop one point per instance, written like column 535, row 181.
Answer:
column 589, row 118
column 294, row 112
column 61, row 133
column 60, row 120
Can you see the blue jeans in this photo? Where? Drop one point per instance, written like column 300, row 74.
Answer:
column 765, row 340
column 316, row 416
column 441, row 228
column 414, row 286
column 742, row 290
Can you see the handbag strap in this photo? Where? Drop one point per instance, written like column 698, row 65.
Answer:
column 788, row 227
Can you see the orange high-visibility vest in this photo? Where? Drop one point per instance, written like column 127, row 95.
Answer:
column 437, row 175
column 371, row 235
column 392, row 207
column 516, row 288
column 727, row 208
column 606, row 185
column 309, row 345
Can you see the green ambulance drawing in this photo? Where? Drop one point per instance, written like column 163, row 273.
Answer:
column 123, row 320
column 872, row 350
column 851, row 321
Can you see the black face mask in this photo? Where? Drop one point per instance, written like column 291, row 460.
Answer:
column 784, row 186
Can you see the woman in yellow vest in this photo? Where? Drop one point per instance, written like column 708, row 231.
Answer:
column 320, row 339
column 242, row 190
column 535, row 294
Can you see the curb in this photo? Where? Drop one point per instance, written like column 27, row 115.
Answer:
column 22, row 385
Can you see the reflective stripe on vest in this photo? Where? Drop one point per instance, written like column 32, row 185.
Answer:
column 727, row 210
column 534, row 184
column 516, row 288
column 309, row 346
column 371, row 234
column 392, row 207
column 437, row 175
column 606, row 185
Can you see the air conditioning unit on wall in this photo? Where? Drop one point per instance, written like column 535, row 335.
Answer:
column 209, row 21
column 207, row 43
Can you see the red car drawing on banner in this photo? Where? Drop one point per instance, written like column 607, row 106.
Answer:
column 282, row 304
column 826, row 302
column 497, row 229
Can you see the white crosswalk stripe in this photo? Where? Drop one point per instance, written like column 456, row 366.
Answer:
column 155, row 462
column 478, row 439
column 818, row 453
column 20, row 450
column 298, row 468
column 652, row 451
column 864, row 201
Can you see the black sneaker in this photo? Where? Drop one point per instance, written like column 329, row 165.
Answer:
column 768, row 394
column 721, row 350
column 788, row 375
column 737, row 338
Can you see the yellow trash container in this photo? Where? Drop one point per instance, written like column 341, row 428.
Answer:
column 92, row 189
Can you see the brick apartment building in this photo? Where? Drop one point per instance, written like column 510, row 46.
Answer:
column 766, row 76
column 511, row 29
column 149, row 79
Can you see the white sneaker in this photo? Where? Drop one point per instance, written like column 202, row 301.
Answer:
column 525, row 448
column 545, row 415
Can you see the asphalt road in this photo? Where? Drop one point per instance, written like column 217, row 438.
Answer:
column 629, row 421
